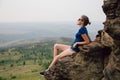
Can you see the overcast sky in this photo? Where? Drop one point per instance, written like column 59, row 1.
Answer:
column 50, row 10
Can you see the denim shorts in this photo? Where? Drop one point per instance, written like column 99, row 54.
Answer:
column 74, row 50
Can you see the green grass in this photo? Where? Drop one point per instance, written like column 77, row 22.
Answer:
column 27, row 72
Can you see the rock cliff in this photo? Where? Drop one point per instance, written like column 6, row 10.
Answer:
column 99, row 60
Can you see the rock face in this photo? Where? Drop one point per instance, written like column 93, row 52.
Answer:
column 112, row 26
column 99, row 60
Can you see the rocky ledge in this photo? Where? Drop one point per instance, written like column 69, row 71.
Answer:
column 99, row 60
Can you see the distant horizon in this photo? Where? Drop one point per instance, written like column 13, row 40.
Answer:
column 44, row 29
column 14, row 33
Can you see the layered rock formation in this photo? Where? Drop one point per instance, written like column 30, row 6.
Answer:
column 99, row 60
column 112, row 26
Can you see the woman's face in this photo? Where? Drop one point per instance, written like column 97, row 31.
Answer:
column 80, row 21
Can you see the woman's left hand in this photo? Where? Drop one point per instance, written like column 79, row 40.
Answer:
column 75, row 44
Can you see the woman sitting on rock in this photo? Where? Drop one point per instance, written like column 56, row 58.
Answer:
column 81, row 38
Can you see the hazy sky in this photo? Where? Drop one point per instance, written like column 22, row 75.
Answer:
column 50, row 10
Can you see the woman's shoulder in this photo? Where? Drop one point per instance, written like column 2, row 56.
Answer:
column 83, row 28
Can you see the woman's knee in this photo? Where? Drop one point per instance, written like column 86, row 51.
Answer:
column 56, row 46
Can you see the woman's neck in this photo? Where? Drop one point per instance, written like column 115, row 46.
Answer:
column 81, row 26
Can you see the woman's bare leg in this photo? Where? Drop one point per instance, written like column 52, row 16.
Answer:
column 63, row 54
column 59, row 47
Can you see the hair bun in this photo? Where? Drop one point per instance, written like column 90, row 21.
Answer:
column 89, row 23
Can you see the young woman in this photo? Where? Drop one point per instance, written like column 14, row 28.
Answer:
column 81, row 38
